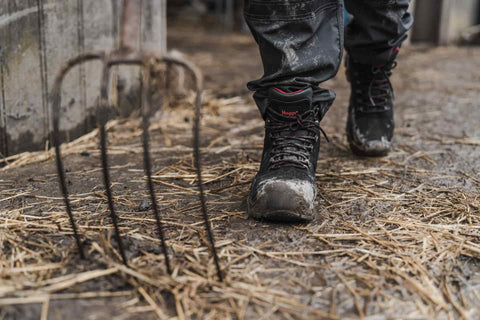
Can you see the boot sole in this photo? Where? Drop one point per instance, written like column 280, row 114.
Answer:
column 278, row 215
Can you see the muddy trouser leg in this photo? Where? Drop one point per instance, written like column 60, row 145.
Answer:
column 378, row 28
column 301, row 45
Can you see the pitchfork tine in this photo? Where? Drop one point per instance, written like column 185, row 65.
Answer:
column 197, row 77
column 56, row 102
column 102, row 116
column 63, row 187
column 196, row 153
column 147, row 113
column 130, row 28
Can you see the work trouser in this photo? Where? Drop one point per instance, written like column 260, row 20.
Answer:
column 301, row 41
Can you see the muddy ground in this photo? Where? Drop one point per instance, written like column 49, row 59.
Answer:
column 394, row 237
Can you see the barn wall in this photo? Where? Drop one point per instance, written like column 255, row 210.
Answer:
column 442, row 21
column 36, row 38
column 461, row 15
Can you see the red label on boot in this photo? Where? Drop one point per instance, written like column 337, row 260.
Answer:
column 289, row 114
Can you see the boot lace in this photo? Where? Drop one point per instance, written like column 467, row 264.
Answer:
column 374, row 94
column 293, row 139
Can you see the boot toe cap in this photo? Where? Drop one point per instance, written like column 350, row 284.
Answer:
column 367, row 143
column 283, row 200
column 372, row 148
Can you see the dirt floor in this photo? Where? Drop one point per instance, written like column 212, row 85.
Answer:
column 395, row 237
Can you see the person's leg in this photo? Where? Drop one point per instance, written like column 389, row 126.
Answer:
column 377, row 29
column 372, row 41
column 300, row 44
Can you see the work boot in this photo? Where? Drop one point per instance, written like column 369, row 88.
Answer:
column 284, row 189
column 370, row 114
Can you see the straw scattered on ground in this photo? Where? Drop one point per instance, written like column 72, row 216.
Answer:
column 395, row 237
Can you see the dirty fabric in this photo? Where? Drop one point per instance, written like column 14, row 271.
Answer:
column 301, row 42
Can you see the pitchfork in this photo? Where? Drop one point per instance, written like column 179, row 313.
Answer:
column 127, row 55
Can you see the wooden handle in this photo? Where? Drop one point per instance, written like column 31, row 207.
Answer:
column 130, row 26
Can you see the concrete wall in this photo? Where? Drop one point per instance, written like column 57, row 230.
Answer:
column 442, row 21
column 36, row 38
column 457, row 16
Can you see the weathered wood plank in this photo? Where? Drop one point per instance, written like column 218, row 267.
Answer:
column 24, row 92
column 36, row 38
column 57, row 48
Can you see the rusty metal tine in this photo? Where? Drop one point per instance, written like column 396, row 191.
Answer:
column 196, row 153
column 56, row 104
column 102, row 118
column 63, row 187
column 147, row 113
column 196, row 74
column 130, row 24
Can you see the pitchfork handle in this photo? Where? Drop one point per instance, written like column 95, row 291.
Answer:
column 130, row 24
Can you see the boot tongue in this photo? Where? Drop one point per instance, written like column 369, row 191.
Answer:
column 289, row 104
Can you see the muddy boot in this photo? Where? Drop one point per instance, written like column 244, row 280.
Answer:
column 284, row 189
column 370, row 115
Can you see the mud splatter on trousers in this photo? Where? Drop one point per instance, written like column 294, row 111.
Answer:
column 301, row 42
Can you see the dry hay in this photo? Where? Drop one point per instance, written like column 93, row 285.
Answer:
column 394, row 238
column 387, row 238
